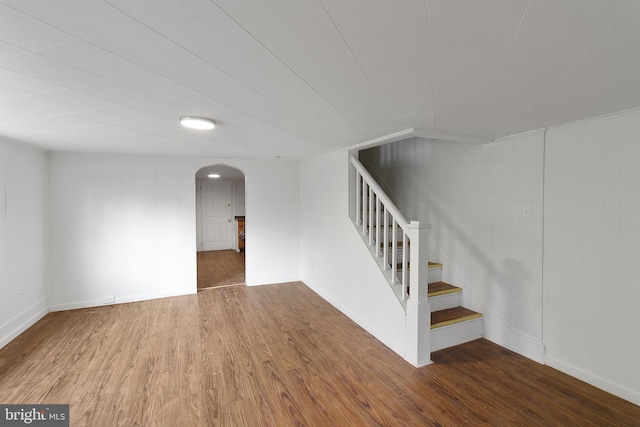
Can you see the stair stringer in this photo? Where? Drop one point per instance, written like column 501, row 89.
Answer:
column 396, row 288
column 496, row 328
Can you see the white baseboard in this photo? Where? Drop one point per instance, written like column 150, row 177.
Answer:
column 521, row 344
column 23, row 321
column 632, row 396
column 118, row 300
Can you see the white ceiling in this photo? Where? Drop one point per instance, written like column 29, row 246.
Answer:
column 296, row 78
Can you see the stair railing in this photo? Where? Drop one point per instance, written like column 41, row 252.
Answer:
column 400, row 249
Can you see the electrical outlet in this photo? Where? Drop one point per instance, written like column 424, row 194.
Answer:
column 109, row 300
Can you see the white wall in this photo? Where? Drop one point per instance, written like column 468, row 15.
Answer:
column 473, row 196
column 124, row 227
column 592, row 244
column 23, row 195
column 272, row 244
column 335, row 263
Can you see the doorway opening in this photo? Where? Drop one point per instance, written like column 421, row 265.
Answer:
column 220, row 226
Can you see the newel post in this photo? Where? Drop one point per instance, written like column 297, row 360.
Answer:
column 418, row 319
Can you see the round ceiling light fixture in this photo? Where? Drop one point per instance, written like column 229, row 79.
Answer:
column 197, row 122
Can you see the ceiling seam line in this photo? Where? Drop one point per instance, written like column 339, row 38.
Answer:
column 355, row 58
column 213, row 65
column 504, row 58
column 433, row 101
column 345, row 42
column 582, row 54
column 570, row 115
column 290, row 69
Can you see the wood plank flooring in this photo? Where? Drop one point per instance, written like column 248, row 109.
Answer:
column 277, row 355
column 220, row 268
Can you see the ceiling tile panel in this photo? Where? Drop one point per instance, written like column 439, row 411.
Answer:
column 614, row 56
column 40, row 67
column 321, row 53
column 51, row 124
column 24, row 112
column 405, row 92
column 56, row 104
column 471, row 37
column 87, row 134
column 81, row 99
column 371, row 13
column 419, row 112
column 23, row 31
column 398, row 71
column 552, row 36
column 141, row 9
column 200, row 104
column 161, row 108
column 84, row 56
column 9, row 93
column 78, row 17
column 206, row 31
column 474, row 86
column 345, row 88
column 481, row 23
column 402, row 36
column 8, row 50
column 299, row 97
column 366, row 113
column 156, row 85
column 127, row 113
column 112, row 91
column 256, row 105
column 153, row 51
column 278, row 21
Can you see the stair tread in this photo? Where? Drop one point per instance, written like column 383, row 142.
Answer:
column 431, row 265
column 442, row 288
column 390, row 244
column 451, row 316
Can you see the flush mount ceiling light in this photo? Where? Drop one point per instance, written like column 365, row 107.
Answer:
column 197, row 122
column 214, row 175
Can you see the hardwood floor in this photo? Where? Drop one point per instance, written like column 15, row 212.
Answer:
column 220, row 268
column 277, row 355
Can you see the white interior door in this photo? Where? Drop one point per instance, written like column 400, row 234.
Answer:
column 217, row 224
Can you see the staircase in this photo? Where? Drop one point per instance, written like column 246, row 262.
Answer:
column 435, row 318
column 451, row 324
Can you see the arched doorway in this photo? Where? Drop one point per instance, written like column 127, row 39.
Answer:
column 220, row 211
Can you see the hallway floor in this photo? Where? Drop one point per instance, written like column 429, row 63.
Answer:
column 220, row 268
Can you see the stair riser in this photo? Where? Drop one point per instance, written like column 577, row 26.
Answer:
column 435, row 275
column 458, row 333
column 399, row 252
column 445, row 301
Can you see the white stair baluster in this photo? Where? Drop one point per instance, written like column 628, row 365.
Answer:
column 358, row 198
column 370, row 217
